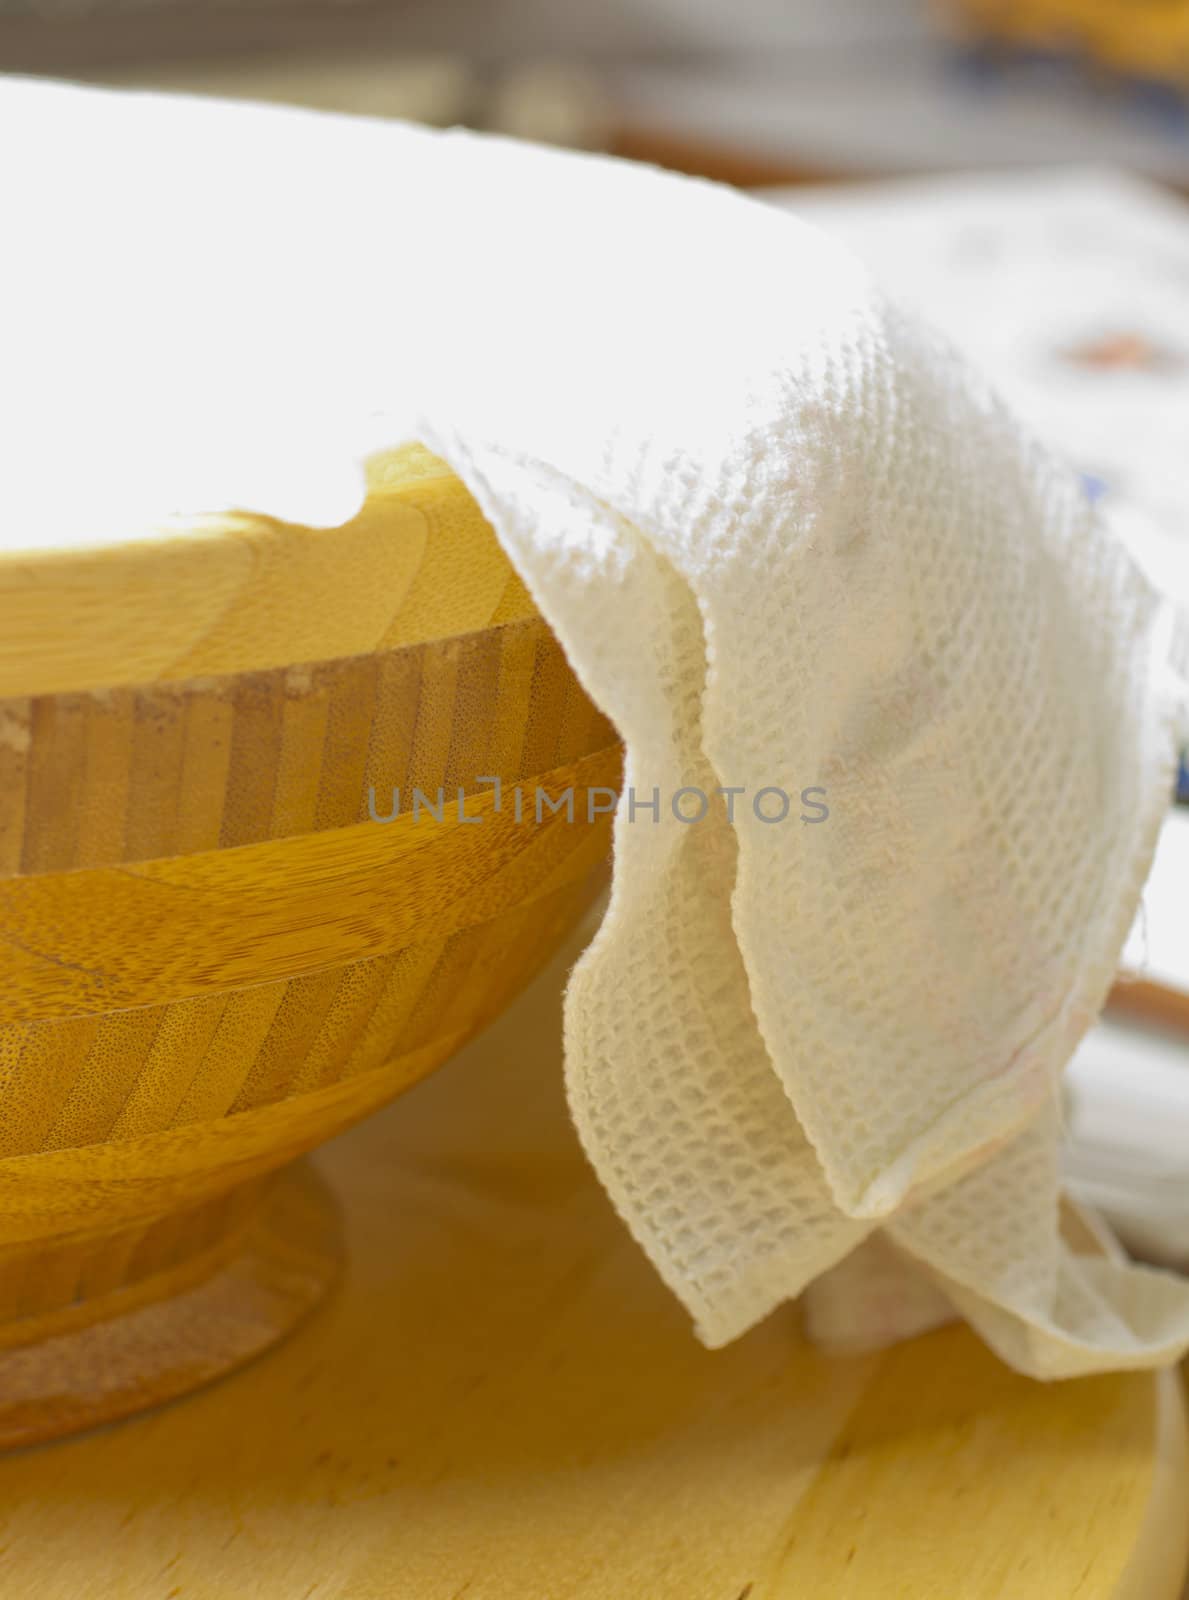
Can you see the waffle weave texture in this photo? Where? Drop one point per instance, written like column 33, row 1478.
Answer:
column 789, row 542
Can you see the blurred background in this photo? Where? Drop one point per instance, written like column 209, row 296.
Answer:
column 751, row 90
column 1017, row 168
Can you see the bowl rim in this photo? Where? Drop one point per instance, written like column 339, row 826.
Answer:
column 212, row 595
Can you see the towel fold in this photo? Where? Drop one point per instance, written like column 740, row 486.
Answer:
column 900, row 715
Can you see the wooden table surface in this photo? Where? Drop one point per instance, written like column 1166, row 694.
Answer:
column 502, row 1403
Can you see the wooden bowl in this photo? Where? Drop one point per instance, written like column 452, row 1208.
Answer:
column 213, row 953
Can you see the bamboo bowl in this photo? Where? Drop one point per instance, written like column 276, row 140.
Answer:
column 214, row 953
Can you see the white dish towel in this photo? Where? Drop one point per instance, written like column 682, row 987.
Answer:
column 789, row 542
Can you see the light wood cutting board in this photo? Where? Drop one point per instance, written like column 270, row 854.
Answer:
column 501, row 1403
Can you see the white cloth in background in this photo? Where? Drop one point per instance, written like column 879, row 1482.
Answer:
column 788, row 540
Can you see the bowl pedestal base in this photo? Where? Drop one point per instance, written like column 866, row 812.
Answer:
column 94, row 1328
